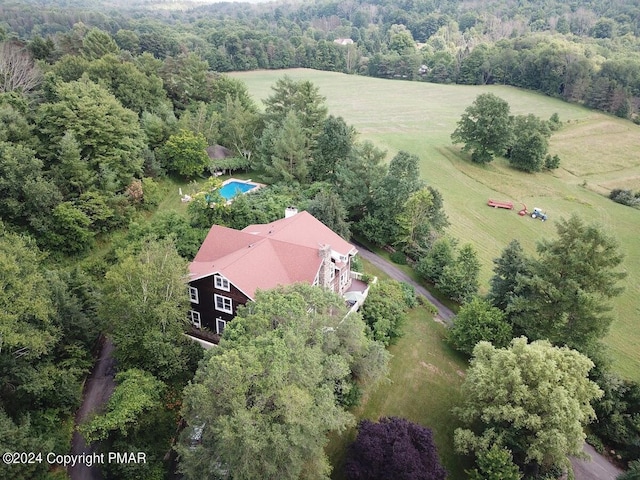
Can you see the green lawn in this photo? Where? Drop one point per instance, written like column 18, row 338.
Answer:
column 598, row 153
column 423, row 386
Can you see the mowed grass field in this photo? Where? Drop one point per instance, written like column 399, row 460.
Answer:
column 423, row 385
column 598, row 153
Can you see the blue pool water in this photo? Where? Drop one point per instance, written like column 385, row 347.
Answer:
column 232, row 189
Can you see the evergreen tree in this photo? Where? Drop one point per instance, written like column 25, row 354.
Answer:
column 358, row 178
column 511, row 264
column 285, row 150
column 302, row 98
column 565, row 298
column 459, row 280
column 334, row 144
column 327, row 207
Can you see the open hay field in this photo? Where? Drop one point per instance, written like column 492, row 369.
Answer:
column 598, row 153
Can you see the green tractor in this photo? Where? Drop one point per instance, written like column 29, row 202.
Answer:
column 538, row 213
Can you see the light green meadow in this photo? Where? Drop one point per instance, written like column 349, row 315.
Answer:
column 598, row 153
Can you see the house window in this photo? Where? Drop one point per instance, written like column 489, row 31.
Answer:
column 220, row 324
column 223, row 304
column 193, row 294
column 195, row 318
column 221, row 283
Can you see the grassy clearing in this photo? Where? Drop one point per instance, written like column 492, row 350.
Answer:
column 598, row 153
column 424, row 380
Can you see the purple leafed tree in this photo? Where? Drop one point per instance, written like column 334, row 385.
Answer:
column 394, row 449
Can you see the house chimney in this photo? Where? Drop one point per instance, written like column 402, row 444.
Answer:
column 324, row 252
column 290, row 212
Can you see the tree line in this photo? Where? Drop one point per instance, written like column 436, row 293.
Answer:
column 583, row 53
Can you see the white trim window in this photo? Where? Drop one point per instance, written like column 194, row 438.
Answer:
column 221, row 283
column 195, row 318
column 193, row 295
column 223, row 304
column 220, row 324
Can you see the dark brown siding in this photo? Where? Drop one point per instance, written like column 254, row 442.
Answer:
column 206, row 305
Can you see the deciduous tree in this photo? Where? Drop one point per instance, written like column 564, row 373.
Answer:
column 420, row 221
column 185, row 153
column 240, row 127
column 459, row 280
column 532, row 398
column 485, row 128
column 146, row 303
column 136, row 391
column 495, row 463
column 18, row 71
column 530, row 143
column 479, row 321
column 109, row 135
column 28, row 198
column 385, row 311
column 333, row 145
column 26, row 310
column 261, row 404
column 393, row 448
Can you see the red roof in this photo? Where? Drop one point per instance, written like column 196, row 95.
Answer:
column 265, row 256
column 303, row 229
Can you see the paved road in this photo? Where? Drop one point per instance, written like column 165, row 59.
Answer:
column 598, row 468
column 97, row 391
column 444, row 313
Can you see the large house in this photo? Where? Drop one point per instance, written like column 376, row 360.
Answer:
column 232, row 265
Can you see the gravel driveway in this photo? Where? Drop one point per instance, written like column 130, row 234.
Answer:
column 97, row 391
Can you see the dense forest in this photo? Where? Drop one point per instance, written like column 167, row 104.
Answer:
column 104, row 106
column 581, row 51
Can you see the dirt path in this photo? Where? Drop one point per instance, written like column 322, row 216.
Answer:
column 97, row 390
column 598, row 468
column 444, row 313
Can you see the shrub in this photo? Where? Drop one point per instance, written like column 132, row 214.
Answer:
column 409, row 293
column 551, row 163
column 385, row 310
column 356, row 264
column 478, row 320
column 398, row 257
column 625, row 197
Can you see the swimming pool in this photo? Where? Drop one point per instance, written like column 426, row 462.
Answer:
column 232, row 188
